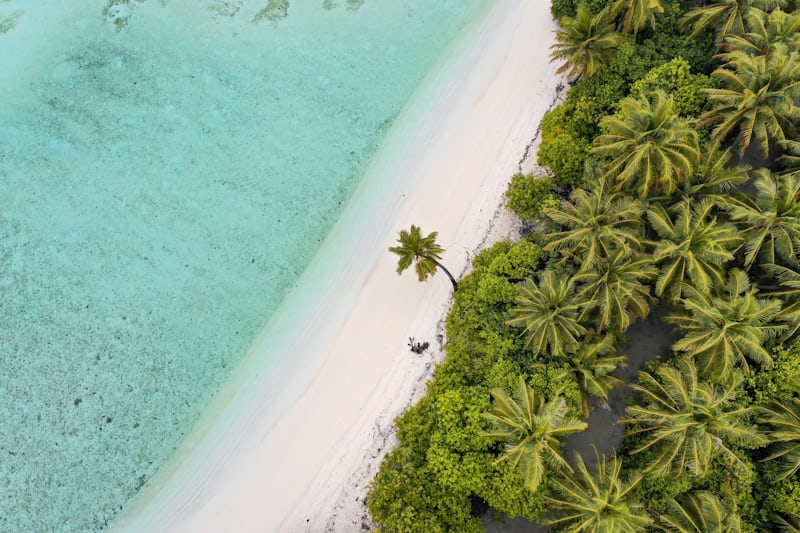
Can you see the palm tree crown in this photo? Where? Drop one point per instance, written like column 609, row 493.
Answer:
column 616, row 290
column 597, row 222
column 726, row 15
column 728, row 330
column 714, row 180
column 699, row 512
column 685, row 423
column 597, row 502
column 636, row 14
column 694, row 246
column 532, row 429
column 771, row 219
column 785, row 422
column 591, row 365
column 423, row 252
column 649, row 145
column 766, row 32
column 585, row 42
column 757, row 99
column 548, row 311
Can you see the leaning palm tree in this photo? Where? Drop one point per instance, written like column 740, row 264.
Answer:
column 596, row 222
column 784, row 418
column 636, row 14
column 771, row 219
column 693, row 246
column 765, row 33
column 423, row 252
column 726, row 331
column 757, row 99
column 548, row 310
column 597, row 502
column 585, row 42
column 616, row 290
column 650, row 146
column 685, row 423
column 727, row 16
column 532, row 429
column 591, row 365
column 699, row 512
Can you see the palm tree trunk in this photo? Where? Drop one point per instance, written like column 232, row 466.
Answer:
column 449, row 275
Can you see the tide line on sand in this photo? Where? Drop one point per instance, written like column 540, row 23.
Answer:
column 292, row 446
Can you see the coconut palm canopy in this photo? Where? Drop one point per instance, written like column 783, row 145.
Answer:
column 585, row 42
column 757, row 100
column 422, row 252
column 533, row 430
column 685, row 423
column 600, row 501
column 649, row 146
column 726, row 331
column 548, row 311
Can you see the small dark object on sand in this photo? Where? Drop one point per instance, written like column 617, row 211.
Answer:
column 417, row 347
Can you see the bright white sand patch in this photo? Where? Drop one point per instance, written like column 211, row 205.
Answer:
column 292, row 448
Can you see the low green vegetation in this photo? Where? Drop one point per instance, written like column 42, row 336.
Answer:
column 655, row 206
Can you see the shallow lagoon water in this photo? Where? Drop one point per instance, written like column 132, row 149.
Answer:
column 167, row 171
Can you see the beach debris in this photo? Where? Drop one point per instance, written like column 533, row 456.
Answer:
column 417, row 347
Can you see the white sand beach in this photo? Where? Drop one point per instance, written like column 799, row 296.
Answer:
column 292, row 448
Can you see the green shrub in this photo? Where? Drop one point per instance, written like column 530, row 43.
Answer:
column 528, row 195
column 676, row 79
column 565, row 156
column 669, row 42
column 443, row 464
column 780, row 382
column 782, row 498
column 568, row 8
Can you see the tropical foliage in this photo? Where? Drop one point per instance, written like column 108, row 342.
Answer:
column 684, row 423
column 585, row 42
column 548, row 311
column 591, row 365
column 699, row 512
column 767, row 33
column 423, row 252
column 693, row 247
column 636, row 14
column 616, row 290
column 771, row 219
column 650, row 147
column 595, row 223
column 599, row 501
column 726, row 331
column 757, row 100
column 532, row 430
column 528, row 195
column 658, row 215
column 725, row 16
column 784, row 419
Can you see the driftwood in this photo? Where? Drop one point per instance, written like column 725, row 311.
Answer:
column 417, row 347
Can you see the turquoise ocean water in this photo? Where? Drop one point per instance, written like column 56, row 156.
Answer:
column 168, row 168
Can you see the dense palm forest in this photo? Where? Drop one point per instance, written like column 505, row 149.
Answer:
column 675, row 182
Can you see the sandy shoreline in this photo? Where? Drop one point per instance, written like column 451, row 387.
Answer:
column 295, row 453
